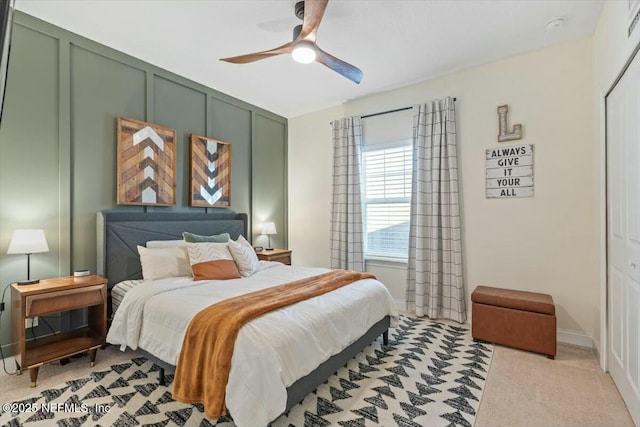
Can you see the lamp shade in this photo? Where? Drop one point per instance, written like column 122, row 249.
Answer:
column 269, row 228
column 28, row 242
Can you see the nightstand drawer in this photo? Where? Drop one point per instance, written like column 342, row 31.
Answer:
column 70, row 299
column 277, row 255
column 285, row 259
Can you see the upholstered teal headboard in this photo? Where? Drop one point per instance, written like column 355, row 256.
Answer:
column 120, row 232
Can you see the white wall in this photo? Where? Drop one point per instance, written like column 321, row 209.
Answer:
column 309, row 180
column 548, row 243
column 612, row 48
column 612, row 45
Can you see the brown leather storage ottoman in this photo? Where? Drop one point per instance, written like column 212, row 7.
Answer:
column 524, row 320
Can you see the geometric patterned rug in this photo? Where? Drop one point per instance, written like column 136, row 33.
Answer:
column 430, row 374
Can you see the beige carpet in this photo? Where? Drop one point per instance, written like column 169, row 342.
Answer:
column 523, row 389
column 14, row 387
column 527, row 389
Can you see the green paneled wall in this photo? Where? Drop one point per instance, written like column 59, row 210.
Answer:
column 58, row 146
column 30, row 164
column 95, row 105
column 224, row 112
column 170, row 101
column 269, row 188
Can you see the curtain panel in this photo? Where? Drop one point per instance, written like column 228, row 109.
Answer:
column 346, row 207
column 434, row 280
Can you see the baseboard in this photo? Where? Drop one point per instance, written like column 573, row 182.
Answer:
column 563, row 335
column 596, row 350
column 574, row 338
column 568, row 337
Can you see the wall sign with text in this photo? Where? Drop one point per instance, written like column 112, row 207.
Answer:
column 510, row 171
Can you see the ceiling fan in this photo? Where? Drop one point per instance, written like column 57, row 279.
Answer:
column 303, row 48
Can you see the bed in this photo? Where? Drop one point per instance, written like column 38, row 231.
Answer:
column 119, row 233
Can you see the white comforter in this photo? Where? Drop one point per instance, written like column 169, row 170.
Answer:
column 272, row 351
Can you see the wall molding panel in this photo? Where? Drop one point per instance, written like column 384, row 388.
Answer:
column 58, row 146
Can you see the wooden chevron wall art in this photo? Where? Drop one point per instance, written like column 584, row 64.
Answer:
column 146, row 164
column 210, row 172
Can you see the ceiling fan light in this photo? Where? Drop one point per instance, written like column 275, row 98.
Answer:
column 304, row 52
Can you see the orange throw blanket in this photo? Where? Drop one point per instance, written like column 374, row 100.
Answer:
column 205, row 360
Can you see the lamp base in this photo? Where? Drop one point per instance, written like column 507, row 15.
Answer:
column 28, row 282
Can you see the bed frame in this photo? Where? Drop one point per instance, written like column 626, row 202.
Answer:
column 120, row 232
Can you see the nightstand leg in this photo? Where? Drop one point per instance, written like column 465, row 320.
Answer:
column 33, row 373
column 92, row 356
column 18, row 369
column 161, row 380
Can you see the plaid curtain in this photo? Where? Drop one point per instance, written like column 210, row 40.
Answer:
column 435, row 282
column 346, row 209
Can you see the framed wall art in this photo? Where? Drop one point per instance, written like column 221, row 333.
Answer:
column 146, row 164
column 210, row 172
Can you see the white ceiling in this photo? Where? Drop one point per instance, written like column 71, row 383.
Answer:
column 395, row 42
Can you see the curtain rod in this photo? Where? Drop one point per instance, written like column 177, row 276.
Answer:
column 386, row 112
column 389, row 111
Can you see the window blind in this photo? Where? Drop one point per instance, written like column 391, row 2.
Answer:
column 386, row 184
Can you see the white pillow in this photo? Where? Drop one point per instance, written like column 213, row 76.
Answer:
column 212, row 261
column 160, row 263
column 207, row 251
column 245, row 256
column 165, row 243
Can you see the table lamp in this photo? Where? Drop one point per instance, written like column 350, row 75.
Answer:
column 269, row 228
column 28, row 242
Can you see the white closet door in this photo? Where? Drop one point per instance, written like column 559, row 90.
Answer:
column 623, row 236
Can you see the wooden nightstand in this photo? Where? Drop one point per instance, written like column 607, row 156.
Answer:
column 279, row 255
column 55, row 296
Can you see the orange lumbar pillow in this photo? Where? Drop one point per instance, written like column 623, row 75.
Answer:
column 221, row 269
column 212, row 261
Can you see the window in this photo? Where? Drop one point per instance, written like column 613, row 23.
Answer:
column 387, row 199
column 386, row 185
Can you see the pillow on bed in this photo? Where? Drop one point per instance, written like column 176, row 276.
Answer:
column 245, row 256
column 160, row 263
column 196, row 238
column 165, row 243
column 212, row 261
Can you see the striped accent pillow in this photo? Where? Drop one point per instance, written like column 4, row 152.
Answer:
column 245, row 256
column 212, row 261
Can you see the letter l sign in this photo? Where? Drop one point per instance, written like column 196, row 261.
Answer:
column 502, row 123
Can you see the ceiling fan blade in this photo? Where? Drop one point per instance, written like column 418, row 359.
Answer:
column 313, row 12
column 339, row 66
column 256, row 56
